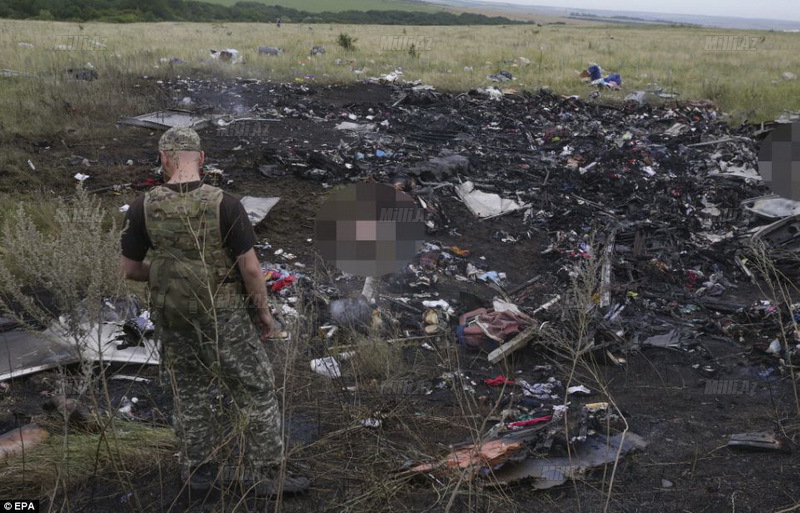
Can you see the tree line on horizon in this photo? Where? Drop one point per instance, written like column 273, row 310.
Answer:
column 131, row 11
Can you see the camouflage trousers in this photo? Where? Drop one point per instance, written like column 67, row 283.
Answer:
column 224, row 393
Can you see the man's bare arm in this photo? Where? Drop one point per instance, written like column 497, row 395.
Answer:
column 253, row 277
column 136, row 271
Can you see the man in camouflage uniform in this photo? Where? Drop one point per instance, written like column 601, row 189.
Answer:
column 208, row 291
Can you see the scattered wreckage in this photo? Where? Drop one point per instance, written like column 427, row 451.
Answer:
column 664, row 198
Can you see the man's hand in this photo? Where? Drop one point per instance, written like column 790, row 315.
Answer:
column 257, row 290
column 267, row 324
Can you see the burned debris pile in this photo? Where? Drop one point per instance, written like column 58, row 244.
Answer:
column 525, row 195
column 667, row 196
column 649, row 221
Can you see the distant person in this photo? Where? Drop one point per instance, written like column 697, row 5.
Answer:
column 279, row 23
column 208, row 290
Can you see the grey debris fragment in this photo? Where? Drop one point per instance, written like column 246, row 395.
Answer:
column 165, row 119
column 441, row 167
column 550, row 472
column 772, row 207
column 258, row 208
column 269, row 50
column 637, row 97
column 356, row 127
column 757, row 442
column 667, row 340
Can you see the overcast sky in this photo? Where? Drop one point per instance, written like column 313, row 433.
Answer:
column 777, row 9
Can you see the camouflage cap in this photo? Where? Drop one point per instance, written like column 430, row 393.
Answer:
column 179, row 139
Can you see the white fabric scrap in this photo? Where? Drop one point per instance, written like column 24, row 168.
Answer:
column 484, row 204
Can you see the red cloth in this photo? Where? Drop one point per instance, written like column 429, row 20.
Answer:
column 498, row 381
column 285, row 282
column 529, row 422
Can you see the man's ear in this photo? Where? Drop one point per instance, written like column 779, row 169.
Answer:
column 165, row 172
column 202, row 159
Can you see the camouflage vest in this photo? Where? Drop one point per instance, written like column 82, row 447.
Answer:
column 191, row 274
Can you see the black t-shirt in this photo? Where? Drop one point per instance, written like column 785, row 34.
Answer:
column 238, row 235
